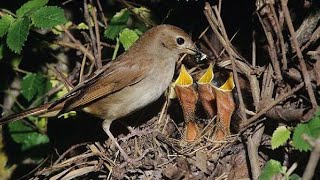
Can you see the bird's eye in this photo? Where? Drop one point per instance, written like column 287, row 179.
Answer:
column 180, row 40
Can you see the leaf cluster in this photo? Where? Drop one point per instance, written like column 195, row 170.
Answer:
column 121, row 26
column 280, row 137
column 282, row 134
column 34, row 13
column 272, row 168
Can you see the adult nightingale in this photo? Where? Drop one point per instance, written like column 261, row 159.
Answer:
column 135, row 79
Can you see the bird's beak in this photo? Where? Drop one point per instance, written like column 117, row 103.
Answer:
column 197, row 53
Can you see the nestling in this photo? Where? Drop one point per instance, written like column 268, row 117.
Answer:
column 135, row 79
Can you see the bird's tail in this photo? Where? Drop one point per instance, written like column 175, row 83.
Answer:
column 41, row 110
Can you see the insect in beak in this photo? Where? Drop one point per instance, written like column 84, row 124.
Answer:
column 200, row 56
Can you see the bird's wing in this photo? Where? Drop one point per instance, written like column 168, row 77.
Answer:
column 116, row 77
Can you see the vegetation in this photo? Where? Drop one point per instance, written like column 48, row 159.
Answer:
column 271, row 48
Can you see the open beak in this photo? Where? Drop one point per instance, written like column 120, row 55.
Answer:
column 200, row 56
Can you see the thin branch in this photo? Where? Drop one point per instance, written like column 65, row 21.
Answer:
column 280, row 36
column 97, row 32
column 254, row 49
column 253, row 146
column 92, row 36
column 302, row 63
column 272, row 50
column 82, row 68
column 269, row 106
column 104, row 19
column 137, row 15
column 215, row 53
column 64, row 79
column 79, row 47
column 233, row 64
column 314, row 158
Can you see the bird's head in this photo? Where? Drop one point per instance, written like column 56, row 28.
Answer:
column 171, row 41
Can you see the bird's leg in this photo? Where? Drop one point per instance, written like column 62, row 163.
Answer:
column 130, row 128
column 106, row 127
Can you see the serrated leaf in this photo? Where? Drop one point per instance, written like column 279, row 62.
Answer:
column 26, row 136
column 5, row 23
column 127, row 37
column 48, row 17
column 117, row 24
column 31, row 85
column 279, row 137
column 271, row 168
column 314, row 125
column 311, row 128
column 298, row 142
column 30, row 7
column 17, row 34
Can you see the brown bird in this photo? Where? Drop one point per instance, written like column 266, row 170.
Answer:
column 135, row 79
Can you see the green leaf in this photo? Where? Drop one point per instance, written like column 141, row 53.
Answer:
column 30, row 7
column 279, row 137
column 15, row 61
column 42, row 90
column 26, row 136
column 311, row 128
column 17, row 34
column 5, row 23
column 82, row 26
column 298, row 142
column 32, row 85
column 117, row 24
column 271, row 168
column 127, row 37
column 146, row 16
column 314, row 125
column 294, row 177
column 48, row 17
